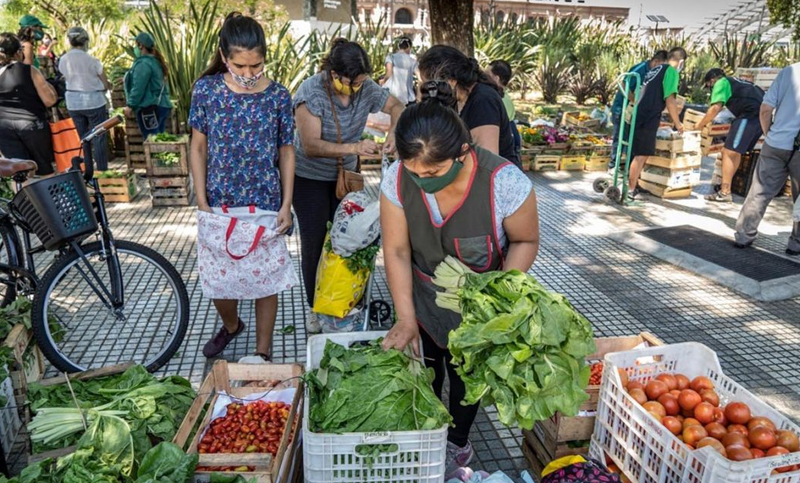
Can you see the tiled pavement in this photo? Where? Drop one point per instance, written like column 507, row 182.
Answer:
column 620, row 290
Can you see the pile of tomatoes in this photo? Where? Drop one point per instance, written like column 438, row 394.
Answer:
column 596, row 376
column 691, row 411
column 254, row 427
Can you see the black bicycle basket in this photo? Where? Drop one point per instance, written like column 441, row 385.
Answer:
column 56, row 209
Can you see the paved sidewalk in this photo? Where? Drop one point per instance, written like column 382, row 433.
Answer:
column 620, row 290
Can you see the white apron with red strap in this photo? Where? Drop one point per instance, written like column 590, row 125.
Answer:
column 240, row 256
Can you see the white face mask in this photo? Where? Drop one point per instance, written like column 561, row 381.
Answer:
column 243, row 81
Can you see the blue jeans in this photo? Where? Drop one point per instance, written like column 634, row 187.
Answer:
column 163, row 115
column 85, row 121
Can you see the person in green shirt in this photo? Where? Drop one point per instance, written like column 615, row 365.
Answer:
column 743, row 99
column 146, row 89
column 500, row 72
column 659, row 90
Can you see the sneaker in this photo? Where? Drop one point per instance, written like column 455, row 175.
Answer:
column 457, row 458
column 719, row 197
column 742, row 245
column 256, row 358
column 792, row 253
column 220, row 341
column 312, row 323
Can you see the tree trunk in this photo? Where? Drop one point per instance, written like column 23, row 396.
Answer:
column 451, row 23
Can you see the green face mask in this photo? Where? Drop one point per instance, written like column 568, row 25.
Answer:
column 38, row 35
column 137, row 52
column 435, row 184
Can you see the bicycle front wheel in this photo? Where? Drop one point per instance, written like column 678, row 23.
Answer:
column 77, row 328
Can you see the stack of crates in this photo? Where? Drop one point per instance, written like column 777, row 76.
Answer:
column 134, row 145
column 675, row 168
column 712, row 140
column 170, row 184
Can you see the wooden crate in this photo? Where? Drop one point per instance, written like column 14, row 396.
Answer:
column 671, row 178
column 571, row 118
column 121, row 189
column 665, row 192
column 678, row 162
column 762, row 77
column 180, row 147
column 572, row 163
column 692, row 118
column 546, row 162
column 596, row 163
column 171, row 191
column 711, row 145
column 233, row 379
column 77, row 376
column 28, row 365
column 689, row 143
column 556, row 149
column 717, row 130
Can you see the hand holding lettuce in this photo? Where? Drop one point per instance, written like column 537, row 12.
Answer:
column 519, row 346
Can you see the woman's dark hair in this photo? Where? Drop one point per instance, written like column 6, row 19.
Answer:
column 238, row 33
column 448, row 63
column 160, row 58
column 9, row 47
column 431, row 132
column 348, row 59
column 26, row 34
column 404, row 43
column 502, row 70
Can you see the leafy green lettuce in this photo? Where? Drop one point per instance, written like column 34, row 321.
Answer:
column 367, row 389
column 519, row 346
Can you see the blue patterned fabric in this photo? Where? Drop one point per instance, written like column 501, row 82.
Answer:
column 245, row 133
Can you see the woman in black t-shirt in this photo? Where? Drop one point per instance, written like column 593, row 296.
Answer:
column 479, row 102
column 25, row 96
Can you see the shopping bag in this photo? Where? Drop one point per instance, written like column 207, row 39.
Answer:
column 338, row 289
column 356, row 224
column 66, row 143
column 241, row 259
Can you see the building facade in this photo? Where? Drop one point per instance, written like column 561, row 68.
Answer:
column 411, row 17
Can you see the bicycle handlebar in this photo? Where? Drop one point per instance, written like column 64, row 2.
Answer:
column 102, row 129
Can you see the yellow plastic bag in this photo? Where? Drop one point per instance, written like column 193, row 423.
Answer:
column 338, row 289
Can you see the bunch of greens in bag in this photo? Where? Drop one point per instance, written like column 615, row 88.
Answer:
column 519, row 346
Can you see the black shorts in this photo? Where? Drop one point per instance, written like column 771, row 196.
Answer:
column 644, row 142
column 744, row 135
column 29, row 140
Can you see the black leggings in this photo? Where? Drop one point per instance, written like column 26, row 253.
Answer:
column 314, row 203
column 463, row 416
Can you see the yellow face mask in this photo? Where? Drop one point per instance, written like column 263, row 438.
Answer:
column 343, row 89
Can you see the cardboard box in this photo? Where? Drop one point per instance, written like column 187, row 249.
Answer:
column 689, row 143
column 671, row 178
column 682, row 162
column 665, row 192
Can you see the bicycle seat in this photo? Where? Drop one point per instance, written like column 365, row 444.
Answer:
column 10, row 167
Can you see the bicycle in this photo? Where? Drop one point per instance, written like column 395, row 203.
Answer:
column 101, row 301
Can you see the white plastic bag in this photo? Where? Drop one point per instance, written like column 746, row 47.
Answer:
column 356, row 224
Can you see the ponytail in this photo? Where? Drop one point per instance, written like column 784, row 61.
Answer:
column 238, row 33
column 449, row 63
column 160, row 59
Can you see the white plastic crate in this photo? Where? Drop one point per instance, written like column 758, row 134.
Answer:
column 10, row 423
column 647, row 452
column 329, row 458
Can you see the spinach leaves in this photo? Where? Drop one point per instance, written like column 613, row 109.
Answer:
column 519, row 346
column 367, row 389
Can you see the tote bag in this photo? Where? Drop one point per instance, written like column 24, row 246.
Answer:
column 240, row 255
column 66, row 143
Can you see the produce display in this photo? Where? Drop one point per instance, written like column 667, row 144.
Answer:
column 152, row 408
column 255, row 427
column 164, row 137
column 367, row 389
column 167, row 158
column 519, row 346
column 542, row 135
column 596, row 376
column 691, row 410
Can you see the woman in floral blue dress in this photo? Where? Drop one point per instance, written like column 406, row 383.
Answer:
column 242, row 153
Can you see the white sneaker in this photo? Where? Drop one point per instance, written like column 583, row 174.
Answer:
column 312, row 323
